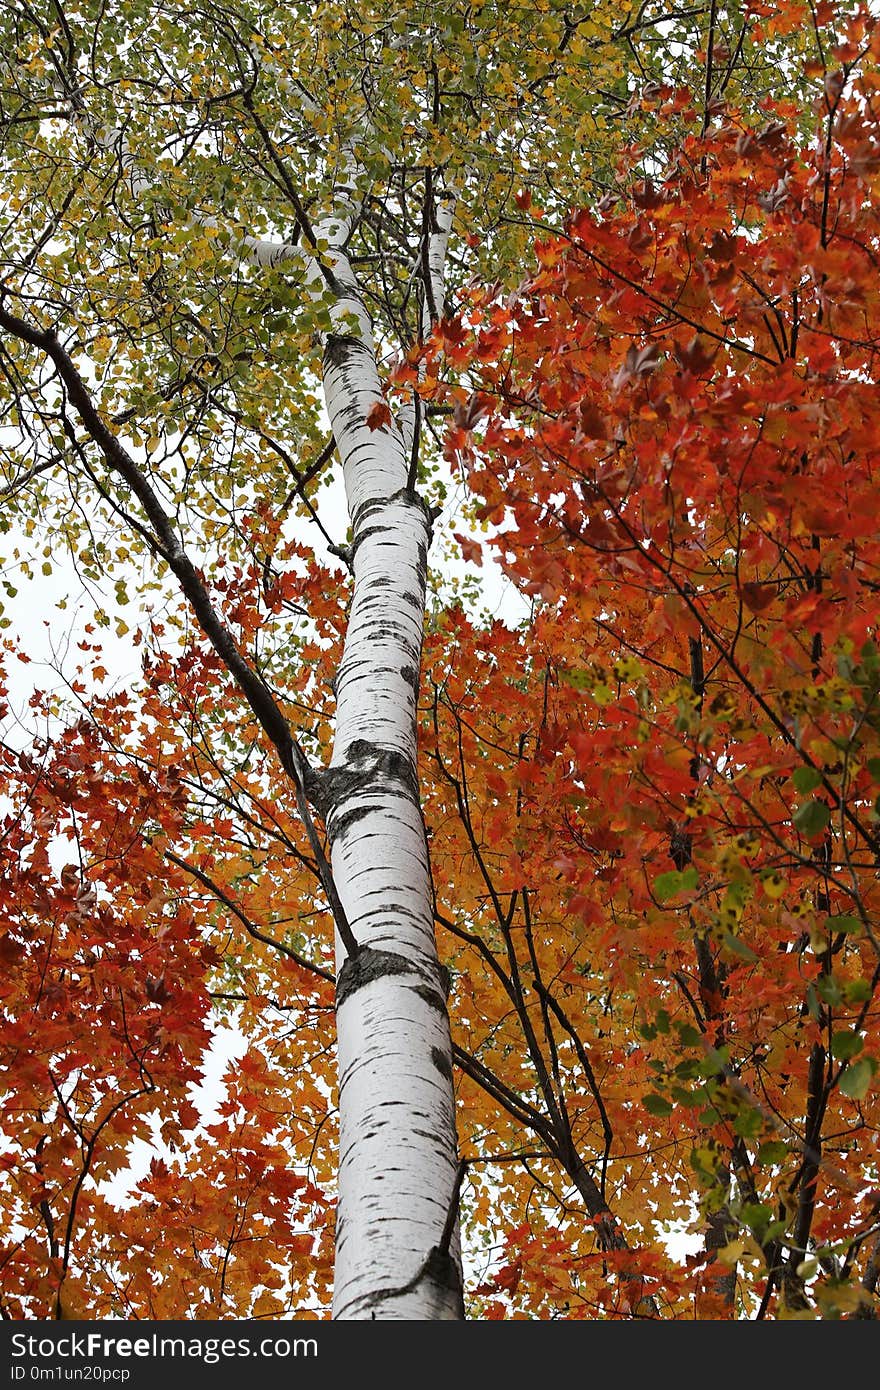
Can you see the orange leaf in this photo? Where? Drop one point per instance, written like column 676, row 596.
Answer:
column 378, row 416
column 470, row 549
column 757, row 597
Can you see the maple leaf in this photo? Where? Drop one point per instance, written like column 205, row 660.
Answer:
column 758, row 597
column 694, row 356
column 722, row 247
column 822, row 520
column 638, row 362
column 470, row 549
column 507, row 1279
column 645, row 195
column 379, row 416
column 156, row 990
column 773, row 200
column 591, row 423
column 865, row 158
column 466, row 414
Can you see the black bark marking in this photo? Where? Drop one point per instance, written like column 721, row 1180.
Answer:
column 370, row 504
column 396, row 767
column 439, row 1271
column 422, row 565
column 360, row 750
column 366, row 966
column 410, row 675
column 367, row 765
column 412, row 499
column 441, row 1062
column 342, row 824
column 339, row 347
column 432, row 998
column 442, row 1270
column 366, row 533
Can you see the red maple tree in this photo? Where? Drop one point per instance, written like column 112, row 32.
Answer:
column 669, row 781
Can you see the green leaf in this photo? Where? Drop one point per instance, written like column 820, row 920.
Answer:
column 857, row 991
column 738, row 947
column 806, row 779
column 689, row 1068
column 844, row 924
column 828, row 988
column 812, row 818
column 870, row 656
column 873, row 766
column 856, row 1079
column 688, row 1034
column 667, row 886
column 685, row 1097
column 757, row 1216
column 846, row 1045
column 717, row 1058
column 748, row 1123
column 656, row 1105
column 774, row 1151
column 774, row 1229
column 577, row 679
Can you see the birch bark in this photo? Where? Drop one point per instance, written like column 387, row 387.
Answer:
column 398, row 1152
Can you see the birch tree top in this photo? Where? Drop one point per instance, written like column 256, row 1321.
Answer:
column 166, row 166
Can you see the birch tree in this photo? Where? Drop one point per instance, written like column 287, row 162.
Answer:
column 223, row 224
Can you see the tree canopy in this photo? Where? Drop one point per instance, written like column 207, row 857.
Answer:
column 594, row 295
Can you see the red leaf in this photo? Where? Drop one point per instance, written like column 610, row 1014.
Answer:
column 471, row 550
column 467, row 413
column 757, row 597
column 821, row 520
column 722, row 248
column 591, row 422
column 157, row 990
column 694, row 358
column 378, row 416
column 645, row 195
column 508, row 1278
column 638, row 362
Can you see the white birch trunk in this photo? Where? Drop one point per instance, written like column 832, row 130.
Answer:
column 398, row 1161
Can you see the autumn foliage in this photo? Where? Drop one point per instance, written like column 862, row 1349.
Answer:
column 107, row 1000
column 667, row 784
column 147, row 892
column 653, row 807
